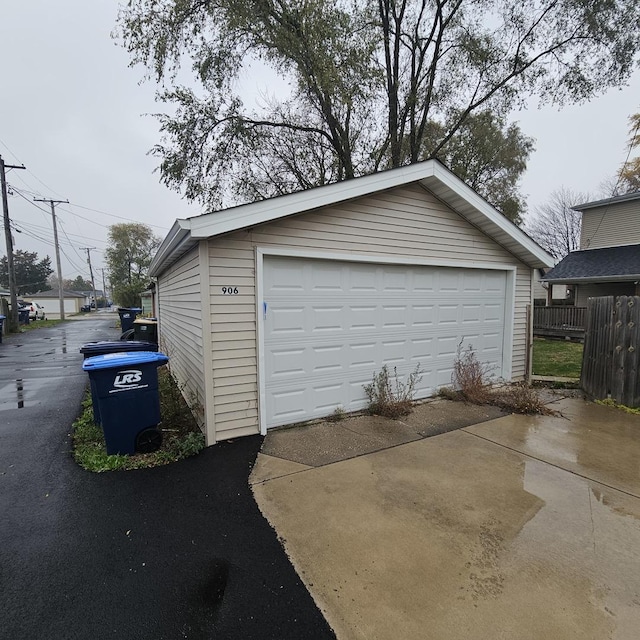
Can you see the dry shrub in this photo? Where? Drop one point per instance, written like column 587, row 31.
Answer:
column 471, row 377
column 520, row 398
column 472, row 380
column 388, row 396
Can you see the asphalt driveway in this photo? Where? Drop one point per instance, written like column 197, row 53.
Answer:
column 519, row 527
column 180, row 551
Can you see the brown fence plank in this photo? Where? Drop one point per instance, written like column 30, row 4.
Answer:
column 612, row 341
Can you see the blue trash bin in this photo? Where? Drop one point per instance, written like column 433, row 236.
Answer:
column 2, row 319
column 127, row 316
column 126, row 386
column 92, row 349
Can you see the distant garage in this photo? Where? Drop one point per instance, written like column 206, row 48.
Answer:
column 279, row 311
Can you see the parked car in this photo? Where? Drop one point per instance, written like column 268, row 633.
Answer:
column 36, row 312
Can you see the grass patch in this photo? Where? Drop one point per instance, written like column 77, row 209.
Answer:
column 38, row 324
column 181, row 436
column 609, row 402
column 557, row 358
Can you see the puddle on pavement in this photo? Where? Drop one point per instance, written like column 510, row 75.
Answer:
column 20, row 393
column 212, row 592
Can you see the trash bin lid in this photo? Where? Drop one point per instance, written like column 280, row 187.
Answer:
column 108, row 346
column 3, row 317
column 148, row 321
column 117, row 360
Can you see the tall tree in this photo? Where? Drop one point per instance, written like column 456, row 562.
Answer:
column 630, row 172
column 374, row 85
column 555, row 226
column 131, row 249
column 30, row 274
column 77, row 284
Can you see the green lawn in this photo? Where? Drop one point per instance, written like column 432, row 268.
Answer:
column 557, row 358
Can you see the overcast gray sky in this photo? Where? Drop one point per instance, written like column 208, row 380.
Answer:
column 72, row 111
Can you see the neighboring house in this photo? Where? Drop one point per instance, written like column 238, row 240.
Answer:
column 608, row 262
column 50, row 300
column 559, row 292
column 279, row 311
column 148, row 302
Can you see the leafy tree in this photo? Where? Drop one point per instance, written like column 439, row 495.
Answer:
column 555, row 226
column 30, row 274
column 374, row 85
column 131, row 249
column 77, row 284
column 630, row 172
column 490, row 156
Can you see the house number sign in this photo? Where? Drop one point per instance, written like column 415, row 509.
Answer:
column 230, row 291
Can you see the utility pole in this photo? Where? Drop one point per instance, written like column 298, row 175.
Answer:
column 13, row 314
column 104, row 288
column 53, row 204
column 93, row 284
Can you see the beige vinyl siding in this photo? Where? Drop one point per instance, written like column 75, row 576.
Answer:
column 406, row 221
column 181, row 323
column 611, row 226
column 586, row 291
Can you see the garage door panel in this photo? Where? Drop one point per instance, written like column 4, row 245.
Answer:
column 362, row 317
column 330, row 325
column 327, row 278
column 324, row 319
column 394, row 316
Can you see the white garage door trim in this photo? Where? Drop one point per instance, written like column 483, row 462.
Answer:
column 261, row 252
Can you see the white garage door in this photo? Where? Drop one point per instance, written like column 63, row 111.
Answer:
column 329, row 325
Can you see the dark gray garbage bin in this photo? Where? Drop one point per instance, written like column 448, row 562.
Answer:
column 126, row 385
column 23, row 316
column 92, row 349
column 2, row 319
column 127, row 316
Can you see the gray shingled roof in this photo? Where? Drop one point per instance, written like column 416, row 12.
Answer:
column 625, row 197
column 592, row 265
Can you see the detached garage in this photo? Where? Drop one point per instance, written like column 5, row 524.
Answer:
column 279, row 311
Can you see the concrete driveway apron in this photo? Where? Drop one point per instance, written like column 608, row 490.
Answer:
column 520, row 527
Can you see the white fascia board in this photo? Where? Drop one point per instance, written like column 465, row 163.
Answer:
column 595, row 279
column 431, row 173
column 177, row 236
column 249, row 215
column 495, row 219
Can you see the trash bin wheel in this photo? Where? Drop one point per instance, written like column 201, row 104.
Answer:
column 127, row 335
column 148, row 440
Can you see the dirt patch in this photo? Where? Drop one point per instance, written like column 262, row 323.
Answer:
column 441, row 416
column 325, row 441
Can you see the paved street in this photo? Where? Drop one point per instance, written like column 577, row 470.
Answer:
column 174, row 552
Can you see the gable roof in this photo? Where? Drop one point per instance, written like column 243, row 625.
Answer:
column 626, row 197
column 431, row 174
column 593, row 265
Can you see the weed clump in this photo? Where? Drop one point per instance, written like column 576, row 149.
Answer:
column 471, row 381
column 338, row 415
column 390, row 397
column 470, row 377
column 520, row 398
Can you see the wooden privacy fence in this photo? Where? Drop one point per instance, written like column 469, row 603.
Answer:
column 610, row 358
column 559, row 321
